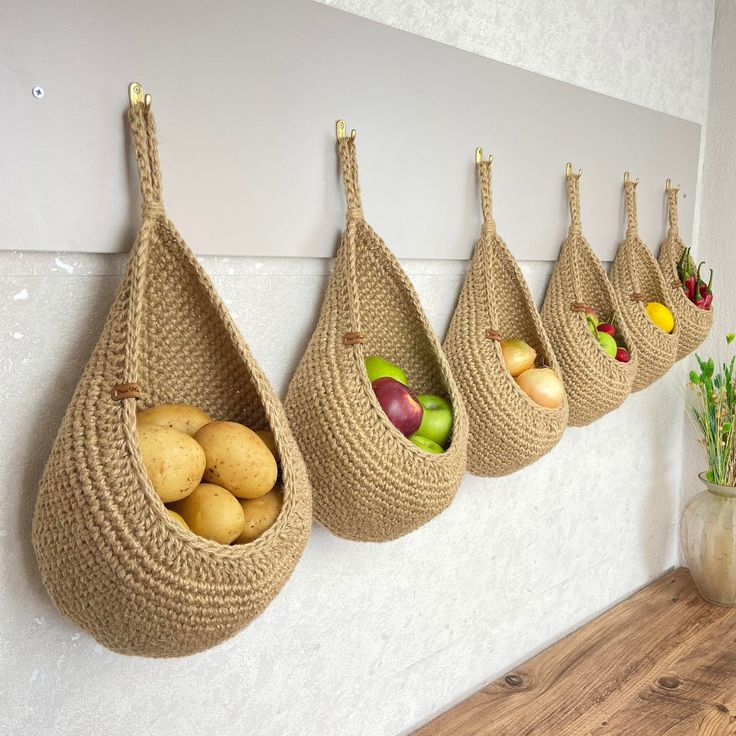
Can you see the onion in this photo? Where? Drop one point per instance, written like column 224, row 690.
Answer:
column 518, row 356
column 542, row 386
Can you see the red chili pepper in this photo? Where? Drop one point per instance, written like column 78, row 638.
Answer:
column 707, row 301
column 708, row 289
column 699, row 282
column 690, row 288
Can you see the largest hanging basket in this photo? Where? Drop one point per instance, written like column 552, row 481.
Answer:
column 507, row 429
column 595, row 382
column 370, row 482
column 637, row 279
column 693, row 323
column 109, row 554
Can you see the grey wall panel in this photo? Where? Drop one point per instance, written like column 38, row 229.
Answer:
column 246, row 95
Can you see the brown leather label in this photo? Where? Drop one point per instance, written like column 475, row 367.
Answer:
column 493, row 335
column 126, row 391
column 577, row 307
column 353, row 338
column 637, row 297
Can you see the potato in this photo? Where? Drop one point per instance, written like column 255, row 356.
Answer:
column 178, row 518
column 173, row 460
column 183, row 417
column 260, row 514
column 213, row 513
column 269, row 440
column 237, row 459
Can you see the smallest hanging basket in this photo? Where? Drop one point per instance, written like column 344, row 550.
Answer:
column 637, row 280
column 693, row 323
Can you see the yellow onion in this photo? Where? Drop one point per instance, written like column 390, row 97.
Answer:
column 542, row 386
column 518, row 356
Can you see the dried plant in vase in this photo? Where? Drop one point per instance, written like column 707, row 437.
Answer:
column 708, row 525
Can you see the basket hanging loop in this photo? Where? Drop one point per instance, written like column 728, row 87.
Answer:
column 349, row 169
column 143, row 129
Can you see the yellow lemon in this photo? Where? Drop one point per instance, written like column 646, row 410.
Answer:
column 661, row 316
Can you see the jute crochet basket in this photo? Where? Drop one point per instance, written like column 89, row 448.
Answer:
column 693, row 324
column 594, row 381
column 370, row 482
column 637, row 279
column 507, row 429
column 109, row 554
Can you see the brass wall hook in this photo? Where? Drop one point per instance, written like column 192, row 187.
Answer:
column 136, row 96
column 479, row 156
column 627, row 178
column 668, row 185
column 568, row 170
column 340, row 130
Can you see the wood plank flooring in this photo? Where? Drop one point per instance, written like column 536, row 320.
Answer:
column 662, row 663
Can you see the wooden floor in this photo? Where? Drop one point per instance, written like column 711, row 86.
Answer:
column 661, row 662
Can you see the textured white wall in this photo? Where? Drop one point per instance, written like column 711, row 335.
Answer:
column 364, row 639
column 654, row 53
column 717, row 238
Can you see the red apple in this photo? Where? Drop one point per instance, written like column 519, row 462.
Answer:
column 608, row 328
column 622, row 355
column 401, row 406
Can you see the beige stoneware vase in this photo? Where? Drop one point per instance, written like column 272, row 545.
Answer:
column 709, row 542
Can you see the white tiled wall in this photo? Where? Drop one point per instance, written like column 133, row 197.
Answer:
column 364, row 639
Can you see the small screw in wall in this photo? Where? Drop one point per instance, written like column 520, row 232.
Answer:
column 38, row 92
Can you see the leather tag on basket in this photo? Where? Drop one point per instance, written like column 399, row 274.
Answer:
column 126, row 391
column 353, row 338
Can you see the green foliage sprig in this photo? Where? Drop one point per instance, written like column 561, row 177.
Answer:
column 714, row 414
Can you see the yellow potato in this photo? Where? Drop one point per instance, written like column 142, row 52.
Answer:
column 173, row 460
column 183, row 417
column 268, row 439
column 213, row 513
column 237, row 459
column 178, row 518
column 260, row 514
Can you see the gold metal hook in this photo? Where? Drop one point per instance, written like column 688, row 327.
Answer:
column 135, row 93
column 340, row 130
column 479, row 156
column 627, row 178
column 136, row 96
column 668, row 185
column 568, row 170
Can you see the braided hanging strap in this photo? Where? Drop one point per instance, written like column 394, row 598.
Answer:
column 370, row 482
column 693, row 323
column 109, row 554
column 595, row 382
column 637, row 280
column 507, row 429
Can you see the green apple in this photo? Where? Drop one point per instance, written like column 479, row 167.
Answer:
column 607, row 343
column 425, row 444
column 592, row 320
column 377, row 367
column 437, row 419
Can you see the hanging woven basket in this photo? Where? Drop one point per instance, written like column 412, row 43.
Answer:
column 595, row 382
column 110, row 555
column 637, row 280
column 370, row 482
column 693, row 323
column 507, row 429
